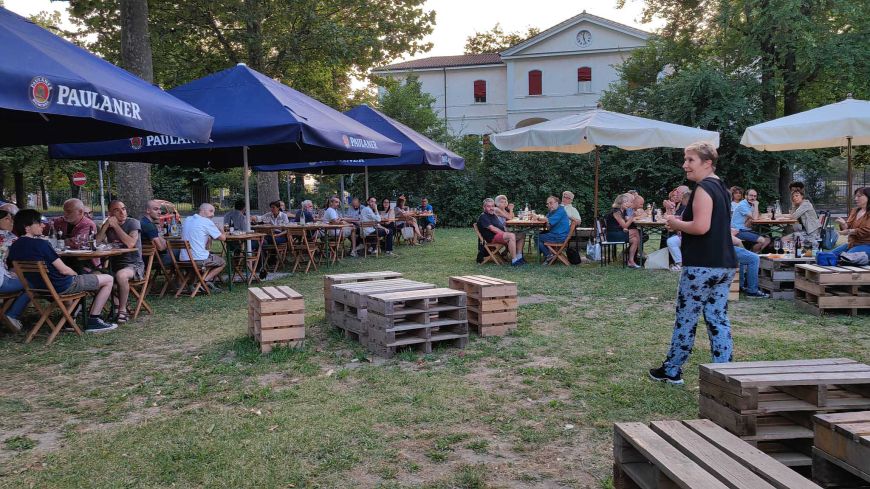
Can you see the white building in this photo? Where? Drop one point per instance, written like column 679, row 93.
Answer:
column 561, row 71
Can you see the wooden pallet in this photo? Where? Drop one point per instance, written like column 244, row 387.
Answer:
column 349, row 303
column 776, row 275
column 841, row 289
column 773, row 402
column 734, row 289
column 841, row 457
column 693, row 454
column 348, row 278
column 419, row 318
column 276, row 316
column 492, row 303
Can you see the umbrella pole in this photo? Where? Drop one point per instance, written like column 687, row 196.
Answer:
column 849, row 174
column 247, row 194
column 102, row 191
column 367, row 183
column 595, row 194
column 341, row 192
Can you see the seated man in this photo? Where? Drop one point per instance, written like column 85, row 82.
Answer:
column 370, row 214
column 747, row 261
column 559, row 225
column 30, row 247
column 568, row 205
column 331, row 216
column 199, row 230
column 152, row 232
column 237, row 219
column 306, row 210
column 125, row 231
column 74, row 224
column 493, row 231
column 428, row 222
column 742, row 214
column 353, row 214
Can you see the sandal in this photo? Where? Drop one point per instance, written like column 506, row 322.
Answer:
column 122, row 317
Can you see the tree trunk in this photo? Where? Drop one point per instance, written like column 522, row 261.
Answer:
column 791, row 105
column 20, row 192
column 43, row 193
column 267, row 189
column 134, row 179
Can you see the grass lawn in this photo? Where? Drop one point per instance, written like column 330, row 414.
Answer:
column 185, row 400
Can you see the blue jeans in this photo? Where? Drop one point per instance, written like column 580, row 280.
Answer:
column 840, row 249
column 701, row 289
column 548, row 238
column 12, row 284
column 748, row 268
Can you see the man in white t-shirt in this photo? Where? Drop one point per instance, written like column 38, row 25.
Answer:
column 331, row 216
column 198, row 230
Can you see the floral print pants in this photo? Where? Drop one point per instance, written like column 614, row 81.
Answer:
column 701, row 290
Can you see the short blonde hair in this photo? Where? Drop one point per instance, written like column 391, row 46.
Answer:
column 705, row 150
column 568, row 194
column 500, row 197
column 620, row 199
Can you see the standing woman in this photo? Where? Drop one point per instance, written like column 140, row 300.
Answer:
column 708, row 265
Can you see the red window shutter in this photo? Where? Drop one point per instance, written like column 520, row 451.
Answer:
column 584, row 74
column 535, row 82
column 479, row 89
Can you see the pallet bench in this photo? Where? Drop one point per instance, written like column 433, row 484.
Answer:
column 492, row 303
column 349, row 278
column 276, row 317
column 694, row 454
column 734, row 288
column 841, row 451
column 823, row 289
column 771, row 404
column 349, row 303
column 776, row 275
column 417, row 318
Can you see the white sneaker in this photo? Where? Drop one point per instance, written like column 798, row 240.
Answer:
column 390, row 253
column 353, row 253
column 359, row 247
column 15, row 323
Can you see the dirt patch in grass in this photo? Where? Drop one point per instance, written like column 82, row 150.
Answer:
column 525, row 300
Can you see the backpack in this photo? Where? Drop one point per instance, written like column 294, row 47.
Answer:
column 829, row 233
column 573, row 256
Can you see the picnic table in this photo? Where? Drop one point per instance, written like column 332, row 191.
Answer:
column 531, row 227
column 648, row 226
column 102, row 255
column 778, row 225
column 240, row 238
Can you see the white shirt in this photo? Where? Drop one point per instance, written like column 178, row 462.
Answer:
column 368, row 215
column 330, row 215
column 280, row 220
column 197, row 229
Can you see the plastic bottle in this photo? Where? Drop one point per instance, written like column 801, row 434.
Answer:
column 798, row 249
column 302, row 217
column 173, row 228
column 777, row 209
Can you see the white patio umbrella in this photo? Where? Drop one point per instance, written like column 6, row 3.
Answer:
column 587, row 131
column 845, row 123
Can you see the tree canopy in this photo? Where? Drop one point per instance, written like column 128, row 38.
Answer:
column 496, row 40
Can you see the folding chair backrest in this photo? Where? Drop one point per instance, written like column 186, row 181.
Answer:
column 27, row 269
column 477, row 232
column 601, row 229
column 149, row 252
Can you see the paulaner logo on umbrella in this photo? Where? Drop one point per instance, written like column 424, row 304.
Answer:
column 40, row 92
column 351, row 142
column 136, row 142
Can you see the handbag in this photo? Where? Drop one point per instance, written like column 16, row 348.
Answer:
column 593, row 251
column 408, row 232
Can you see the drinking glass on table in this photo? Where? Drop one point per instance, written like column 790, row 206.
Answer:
column 777, row 244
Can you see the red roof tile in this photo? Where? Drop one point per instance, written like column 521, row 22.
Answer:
column 444, row 62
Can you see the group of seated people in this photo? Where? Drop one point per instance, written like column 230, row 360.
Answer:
column 496, row 212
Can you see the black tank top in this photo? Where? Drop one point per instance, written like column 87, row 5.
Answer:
column 712, row 249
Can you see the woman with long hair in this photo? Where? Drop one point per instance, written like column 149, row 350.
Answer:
column 618, row 223
column 709, row 262
column 857, row 227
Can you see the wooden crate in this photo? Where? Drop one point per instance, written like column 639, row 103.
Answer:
column 349, row 278
column 492, row 303
column 776, row 275
column 693, row 454
column 841, row 289
column 841, row 455
column 349, row 303
column 734, row 289
column 276, row 316
column 771, row 404
column 418, row 318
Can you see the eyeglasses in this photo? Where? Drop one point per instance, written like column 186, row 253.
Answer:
column 155, row 208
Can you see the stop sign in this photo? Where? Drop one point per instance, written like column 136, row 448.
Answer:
column 79, row 179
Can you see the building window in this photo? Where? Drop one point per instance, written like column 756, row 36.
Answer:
column 584, row 79
column 480, row 91
column 535, row 82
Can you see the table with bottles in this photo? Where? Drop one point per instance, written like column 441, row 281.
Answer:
column 529, row 223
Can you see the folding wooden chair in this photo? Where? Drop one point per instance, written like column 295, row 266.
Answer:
column 608, row 248
column 333, row 246
column 303, row 249
column 161, row 270
column 374, row 240
column 244, row 262
column 557, row 250
column 8, row 299
column 493, row 250
column 276, row 251
column 187, row 271
column 46, row 300
column 139, row 288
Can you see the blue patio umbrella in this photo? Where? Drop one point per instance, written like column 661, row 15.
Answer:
column 256, row 118
column 418, row 151
column 52, row 91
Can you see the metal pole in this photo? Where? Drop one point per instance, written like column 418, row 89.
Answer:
column 849, row 174
column 367, row 184
column 102, row 190
column 595, row 197
column 288, row 187
column 341, row 194
column 247, row 195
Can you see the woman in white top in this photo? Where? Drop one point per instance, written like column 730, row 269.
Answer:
column 400, row 211
column 9, row 282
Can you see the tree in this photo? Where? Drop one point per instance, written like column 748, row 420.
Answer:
column 134, row 179
column 496, row 40
column 407, row 103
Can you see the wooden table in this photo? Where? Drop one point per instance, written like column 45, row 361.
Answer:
column 240, row 239
column 776, row 274
column 530, row 227
column 647, row 225
column 773, row 225
column 102, row 255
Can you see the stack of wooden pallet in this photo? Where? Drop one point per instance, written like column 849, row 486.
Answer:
column 841, row 452
column 492, row 303
column 734, row 290
column 349, row 303
column 421, row 319
column 276, row 317
column 821, row 289
column 771, row 404
column 693, row 454
column 349, row 278
column 776, row 275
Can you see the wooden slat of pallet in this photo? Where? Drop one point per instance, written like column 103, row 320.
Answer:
column 483, row 287
column 782, row 379
column 267, row 347
column 831, row 471
column 282, row 334
column 493, row 329
column 275, row 299
column 752, row 458
column 355, row 294
column 269, row 321
column 494, row 303
column 495, row 317
column 681, row 470
column 392, row 303
column 796, row 369
column 834, row 275
column 330, row 280
column 755, row 426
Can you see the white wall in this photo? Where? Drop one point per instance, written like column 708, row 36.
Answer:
column 565, row 41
